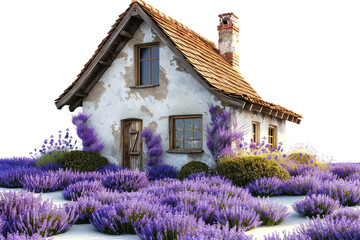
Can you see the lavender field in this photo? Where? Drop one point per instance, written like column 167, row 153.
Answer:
column 253, row 192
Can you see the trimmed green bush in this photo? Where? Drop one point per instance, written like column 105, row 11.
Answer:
column 83, row 161
column 242, row 170
column 191, row 168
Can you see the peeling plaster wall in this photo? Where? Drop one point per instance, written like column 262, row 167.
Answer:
column 112, row 100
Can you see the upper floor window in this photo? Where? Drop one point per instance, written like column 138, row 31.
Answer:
column 255, row 133
column 186, row 132
column 272, row 137
column 147, row 62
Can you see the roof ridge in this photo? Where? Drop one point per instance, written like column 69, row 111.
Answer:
column 204, row 39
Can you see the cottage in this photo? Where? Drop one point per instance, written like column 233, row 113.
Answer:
column 152, row 72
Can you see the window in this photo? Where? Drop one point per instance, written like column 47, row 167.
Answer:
column 272, row 137
column 147, row 64
column 186, row 132
column 255, row 132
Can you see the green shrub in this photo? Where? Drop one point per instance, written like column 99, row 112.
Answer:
column 50, row 156
column 83, row 161
column 192, row 167
column 242, row 170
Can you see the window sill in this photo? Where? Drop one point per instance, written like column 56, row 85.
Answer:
column 144, row 86
column 184, row 151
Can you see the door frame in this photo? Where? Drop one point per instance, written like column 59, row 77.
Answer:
column 122, row 140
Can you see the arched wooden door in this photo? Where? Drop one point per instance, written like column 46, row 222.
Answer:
column 131, row 143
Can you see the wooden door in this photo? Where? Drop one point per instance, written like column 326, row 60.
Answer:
column 132, row 143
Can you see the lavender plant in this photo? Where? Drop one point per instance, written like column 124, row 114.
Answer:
column 126, row 180
column 348, row 193
column 153, row 143
column 271, row 213
column 87, row 134
column 266, row 186
column 316, row 205
column 301, row 185
column 238, row 217
column 346, row 213
column 221, row 133
column 343, row 170
column 82, row 188
column 107, row 197
column 86, row 206
column 167, row 226
column 47, row 220
column 330, row 228
column 120, row 219
column 42, row 182
column 12, row 177
column 162, row 171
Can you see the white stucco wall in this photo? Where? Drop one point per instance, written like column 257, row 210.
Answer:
column 111, row 100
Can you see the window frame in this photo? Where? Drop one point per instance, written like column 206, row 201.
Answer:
column 274, row 137
column 137, row 64
column 255, row 136
column 172, row 148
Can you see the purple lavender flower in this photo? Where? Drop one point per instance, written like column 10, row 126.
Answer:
column 238, row 217
column 316, row 205
column 83, row 188
column 153, row 143
column 126, row 180
column 162, row 171
column 301, row 185
column 29, row 215
column 120, row 219
column 344, row 169
column 330, row 228
column 86, row 206
column 220, row 134
column 348, row 193
column 345, row 213
column 12, row 177
column 87, row 134
column 42, row 182
column 271, row 213
column 266, row 186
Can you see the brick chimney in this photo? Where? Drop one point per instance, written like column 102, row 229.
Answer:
column 229, row 38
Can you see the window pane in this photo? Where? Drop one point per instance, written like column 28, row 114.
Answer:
column 197, row 134
column 197, row 144
column 179, row 124
column 155, row 52
column 188, row 144
column 179, row 135
column 179, row 144
column 197, row 123
column 189, row 123
column 144, row 53
column 188, row 134
column 144, row 73
column 155, row 71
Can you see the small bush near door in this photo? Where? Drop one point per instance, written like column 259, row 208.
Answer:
column 83, row 161
column 242, row 170
column 191, row 168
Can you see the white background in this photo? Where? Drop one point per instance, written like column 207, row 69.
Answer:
column 302, row 55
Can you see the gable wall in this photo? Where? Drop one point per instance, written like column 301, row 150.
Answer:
column 112, row 100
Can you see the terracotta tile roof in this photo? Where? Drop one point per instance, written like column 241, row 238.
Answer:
column 202, row 54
